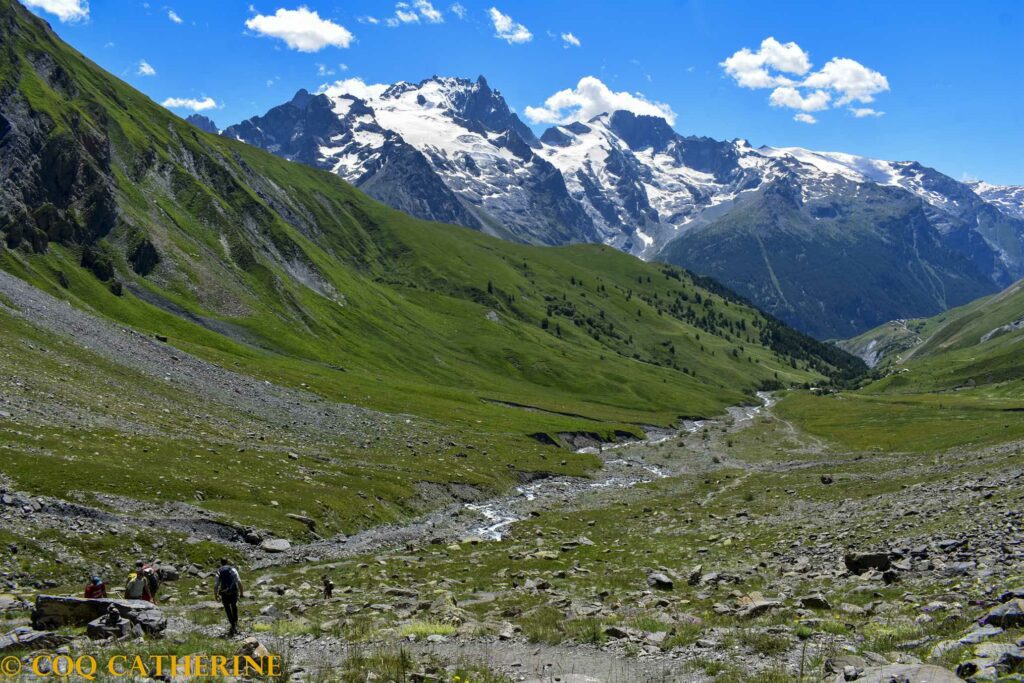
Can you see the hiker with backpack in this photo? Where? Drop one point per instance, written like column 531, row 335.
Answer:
column 137, row 587
column 153, row 579
column 95, row 589
column 228, row 589
column 328, row 587
column 149, row 573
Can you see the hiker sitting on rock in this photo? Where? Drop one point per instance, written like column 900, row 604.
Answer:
column 328, row 587
column 95, row 589
column 138, row 586
column 228, row 589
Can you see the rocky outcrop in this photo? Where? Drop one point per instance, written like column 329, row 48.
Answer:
column 25, row 638
column 53, row 612
column 858, row 563
column 899, row 673
column 56, row 183
column 203, row 123
column 276, row 545
column 1010, row 614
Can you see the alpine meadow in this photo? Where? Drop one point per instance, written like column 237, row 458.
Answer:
column 419, row 380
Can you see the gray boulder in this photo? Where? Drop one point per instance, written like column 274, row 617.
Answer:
column 814, row 601
column 992, row 660
column 24, row 638
column 858, row 563
column 1010, row 614
column 660, row 581
column 901, row 673
column 276, row 545
column 167, row 572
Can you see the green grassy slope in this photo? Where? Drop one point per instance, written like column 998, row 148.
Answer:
column 952, row 380
column 240, row 257
column 834, row 266
column 976, row 345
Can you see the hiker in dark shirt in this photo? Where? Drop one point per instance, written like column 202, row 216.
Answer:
column 228, row 589
column 153, row 579
column 328, row 587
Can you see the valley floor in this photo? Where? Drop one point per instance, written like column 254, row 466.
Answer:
column 740, row 549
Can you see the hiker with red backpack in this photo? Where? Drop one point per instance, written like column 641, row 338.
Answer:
column 228, row 589
column 152, row 578
column 137, row 587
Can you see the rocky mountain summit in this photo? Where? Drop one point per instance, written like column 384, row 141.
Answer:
column 203, row 123
column 446, row 149
column 768, row 222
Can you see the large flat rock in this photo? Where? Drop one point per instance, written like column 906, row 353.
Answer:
column 54, row 611
column 26, row 639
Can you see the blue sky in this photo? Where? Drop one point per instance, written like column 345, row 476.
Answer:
column 947, row 78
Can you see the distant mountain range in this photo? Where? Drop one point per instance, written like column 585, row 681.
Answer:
column 832, row 243
column 111, row 203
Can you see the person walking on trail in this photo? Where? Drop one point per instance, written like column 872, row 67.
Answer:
column 328, row 587
column 228, row 589
column 137, row 587
column 153, row 579
column 95, row 589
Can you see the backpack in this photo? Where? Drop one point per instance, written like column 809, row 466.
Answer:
column 136, row 589
column 153, row 580
column 227, row 578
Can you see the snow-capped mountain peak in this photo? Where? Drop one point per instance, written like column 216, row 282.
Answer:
column 464, row 155
column 1007, row 198
column 451, row 149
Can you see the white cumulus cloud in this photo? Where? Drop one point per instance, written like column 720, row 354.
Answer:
column 852, row 80
column 355, row 87
column 173, row 16
column 569, row 40
column 190, row 103
column 785, row 68
column 145, row 69
column 864, row 112
column 411, row 14
column 591, row 97
column 788, row 96
column 805, row 118
column 65, row 10
column 459, row 10
column 751, row 69
column 301, row 29
column 428, row 12
column 403, row 15
column 509, row 30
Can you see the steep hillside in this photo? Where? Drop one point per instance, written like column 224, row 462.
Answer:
column 978, row 345
column 238, row 256
column 832, row 265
